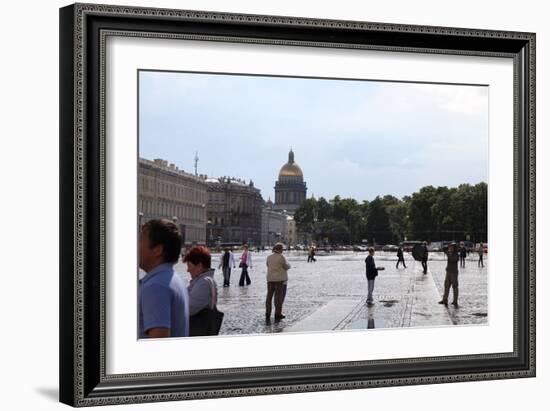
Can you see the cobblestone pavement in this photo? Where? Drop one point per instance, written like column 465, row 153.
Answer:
column 330, row 294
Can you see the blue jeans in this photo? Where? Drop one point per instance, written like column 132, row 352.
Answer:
column 226, row 275
column 370, row 284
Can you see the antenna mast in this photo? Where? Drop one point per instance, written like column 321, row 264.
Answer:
column 196, row 162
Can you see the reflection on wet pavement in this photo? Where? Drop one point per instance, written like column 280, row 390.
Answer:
column 330, row 294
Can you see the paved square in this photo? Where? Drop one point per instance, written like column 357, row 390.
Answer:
column 330, row 294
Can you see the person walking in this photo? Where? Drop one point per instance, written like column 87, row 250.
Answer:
column 372, row 273
column 311, row 254
column 451, row 276
column 245, row 263
column 462, row 253
column 424, row 259
column 277, row 276
column 480, row 253
column 202, row 291
column 226, row 261
column 163, row 299
column 400, row 258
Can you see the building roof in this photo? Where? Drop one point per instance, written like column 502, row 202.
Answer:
column 291, row 169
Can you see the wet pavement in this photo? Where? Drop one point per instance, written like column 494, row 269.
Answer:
column 330, row 294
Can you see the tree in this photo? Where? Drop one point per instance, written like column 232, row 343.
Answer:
column 378, row 223
column 397, row 214
column 324, row 209
column 420, row 213
column 443, row 213
column 337, row 232
column 432, row 214
column 305, row 215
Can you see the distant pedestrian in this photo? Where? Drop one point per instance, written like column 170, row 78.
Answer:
column 480, row 253
column 462, row 253
column 400, row 258
column 277, row 276
column 311, row 256
column 424, row 259
column 245, row 263
column 163, row 299
column 372, row 273
column 451, row 276
column 226, row 261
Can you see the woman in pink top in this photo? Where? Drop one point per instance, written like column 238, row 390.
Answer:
column 245, row 262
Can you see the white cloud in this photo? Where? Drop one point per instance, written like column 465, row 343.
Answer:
column 399, row 135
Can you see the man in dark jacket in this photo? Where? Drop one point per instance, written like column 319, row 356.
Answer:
column 372, row 273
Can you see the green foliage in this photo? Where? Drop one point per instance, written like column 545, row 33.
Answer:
column 378, row 223
column 305, row 215
column 431, row 214
column 336, row 231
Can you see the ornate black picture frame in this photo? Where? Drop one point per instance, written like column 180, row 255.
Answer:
column 83, row 379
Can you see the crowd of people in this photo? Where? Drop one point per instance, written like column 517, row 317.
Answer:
column 455, row 255
column 169, row 308
column 227, row 260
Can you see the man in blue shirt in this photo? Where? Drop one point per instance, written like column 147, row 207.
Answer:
column 163, row 300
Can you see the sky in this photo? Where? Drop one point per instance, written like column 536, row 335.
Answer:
column 353, row 138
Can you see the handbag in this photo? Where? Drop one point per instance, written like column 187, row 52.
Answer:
column 207, row 321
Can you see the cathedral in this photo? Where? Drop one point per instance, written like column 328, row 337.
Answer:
column 290, row 188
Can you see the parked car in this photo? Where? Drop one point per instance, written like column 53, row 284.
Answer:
column 390, row 247
column 359, row 248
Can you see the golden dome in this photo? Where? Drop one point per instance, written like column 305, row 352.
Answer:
column 291, row 169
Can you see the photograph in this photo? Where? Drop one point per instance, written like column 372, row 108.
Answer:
column 286, row 204
column 258, row 204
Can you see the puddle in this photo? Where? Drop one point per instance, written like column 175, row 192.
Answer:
column 389, row 303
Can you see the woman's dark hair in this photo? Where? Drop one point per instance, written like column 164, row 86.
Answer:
column 199, row 254
column 164, row 232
